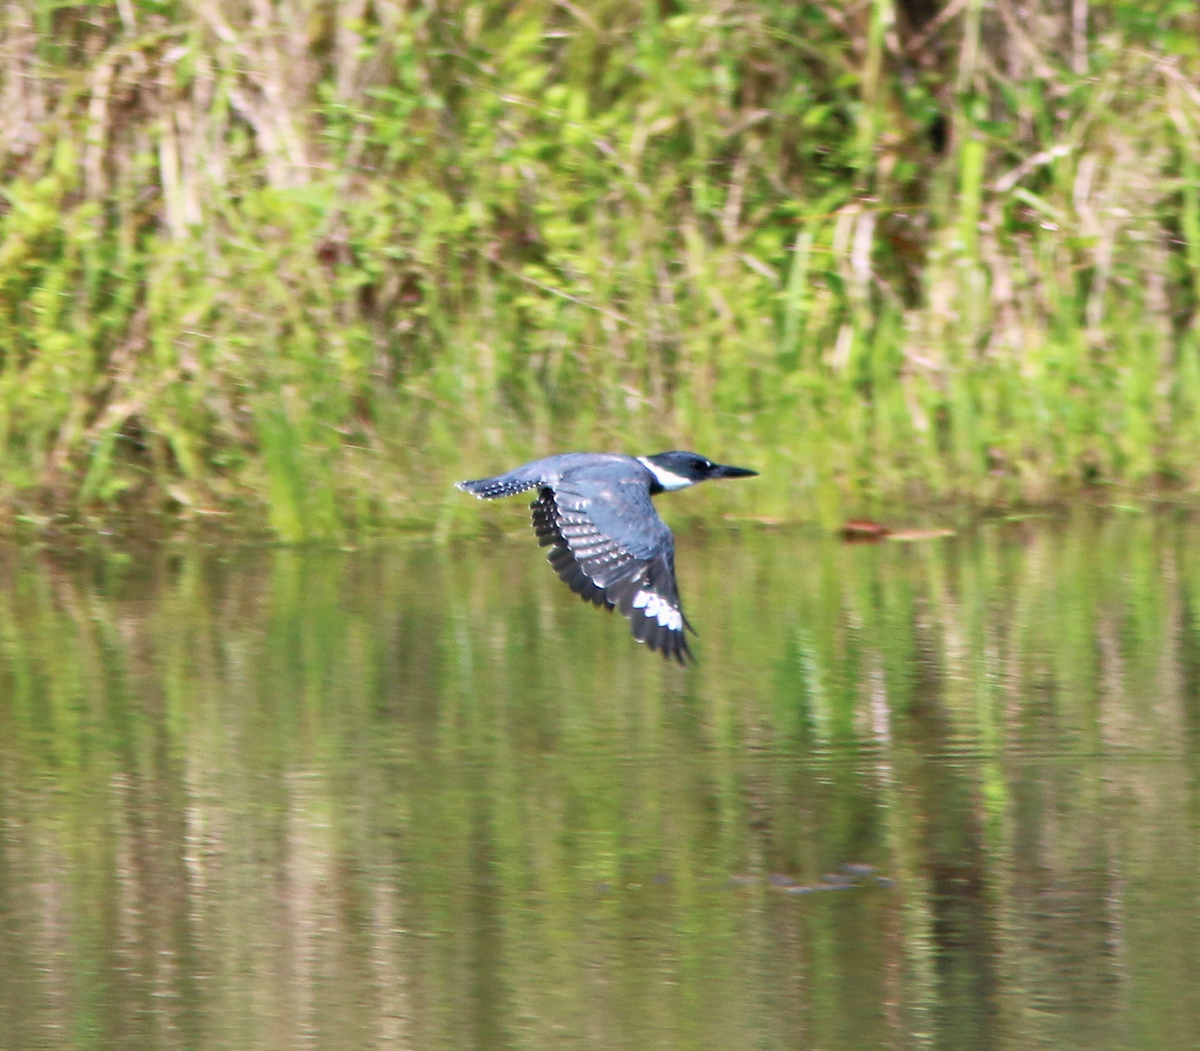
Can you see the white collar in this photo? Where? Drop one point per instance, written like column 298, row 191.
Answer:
column 667, row 479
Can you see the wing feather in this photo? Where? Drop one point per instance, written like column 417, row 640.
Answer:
column 636, row 579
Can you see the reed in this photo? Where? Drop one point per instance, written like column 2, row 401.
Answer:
column 307, row 263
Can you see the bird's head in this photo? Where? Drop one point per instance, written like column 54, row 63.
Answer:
column 678, row 470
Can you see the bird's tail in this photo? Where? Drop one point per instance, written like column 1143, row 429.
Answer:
column 500, row 485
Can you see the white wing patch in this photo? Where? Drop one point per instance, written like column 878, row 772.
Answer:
column 658, row 608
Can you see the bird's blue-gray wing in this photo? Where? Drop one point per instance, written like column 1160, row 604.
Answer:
column 611, row 548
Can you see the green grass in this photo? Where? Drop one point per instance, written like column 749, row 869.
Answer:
column 308, row 269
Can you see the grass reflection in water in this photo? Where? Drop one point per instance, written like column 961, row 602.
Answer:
column 938, row 794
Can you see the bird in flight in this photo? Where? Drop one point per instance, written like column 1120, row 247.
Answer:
column 607, row 543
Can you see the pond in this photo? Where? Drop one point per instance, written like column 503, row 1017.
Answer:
column 937, row 794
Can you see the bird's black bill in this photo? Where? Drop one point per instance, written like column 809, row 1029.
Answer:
column 725, row 471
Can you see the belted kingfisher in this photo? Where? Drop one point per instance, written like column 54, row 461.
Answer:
column 606, row 540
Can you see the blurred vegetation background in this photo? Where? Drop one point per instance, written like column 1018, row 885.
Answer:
column 305, row 262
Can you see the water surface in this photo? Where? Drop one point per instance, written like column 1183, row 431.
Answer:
column 941, row 795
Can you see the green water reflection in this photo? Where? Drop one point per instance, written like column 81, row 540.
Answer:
column 925, row 795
